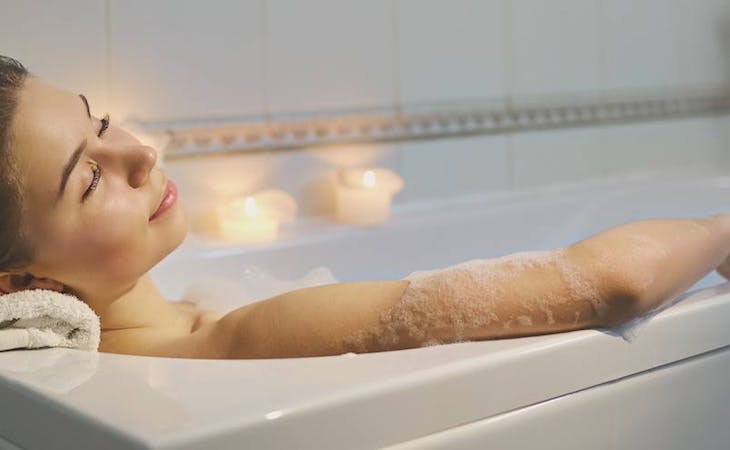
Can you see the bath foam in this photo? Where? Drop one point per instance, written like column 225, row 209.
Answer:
column 461, row 298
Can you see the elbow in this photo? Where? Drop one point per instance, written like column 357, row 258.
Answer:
column 618, row 287
column 623, row 294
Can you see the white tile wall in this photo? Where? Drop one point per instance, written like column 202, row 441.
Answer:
column 174, row 59
column 184, row 58
column 329, row 54
column 640, row 41
column 554, row 47
column 447, row 167
column 451, row 50
column 683, row 143
column 556, row 156
column 63, row 42
column 724, row 123
column 704, row 41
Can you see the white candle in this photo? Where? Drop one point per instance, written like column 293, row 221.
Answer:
column 364, row 196
column 243, row 221
column 255, row 218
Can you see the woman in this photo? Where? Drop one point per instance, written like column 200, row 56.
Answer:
column 80, row 214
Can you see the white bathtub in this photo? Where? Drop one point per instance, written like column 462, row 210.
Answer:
column 667, row 389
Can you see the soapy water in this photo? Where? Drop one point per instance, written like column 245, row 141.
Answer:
column 224, row 294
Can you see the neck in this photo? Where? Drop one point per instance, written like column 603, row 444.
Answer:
column 140, row 306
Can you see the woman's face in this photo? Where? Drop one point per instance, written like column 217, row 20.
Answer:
column 92, row 235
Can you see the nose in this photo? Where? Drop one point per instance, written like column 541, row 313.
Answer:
column 143, row 159
column 139, row 161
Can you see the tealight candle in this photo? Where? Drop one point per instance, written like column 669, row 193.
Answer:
column 364, row 196
column 255, row 218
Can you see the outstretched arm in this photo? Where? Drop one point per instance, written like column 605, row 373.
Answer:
column 602, row 280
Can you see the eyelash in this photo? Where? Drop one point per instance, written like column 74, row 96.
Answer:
column 95, row 169
column 104, row 124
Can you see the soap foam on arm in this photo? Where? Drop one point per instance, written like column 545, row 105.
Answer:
column 516, row 295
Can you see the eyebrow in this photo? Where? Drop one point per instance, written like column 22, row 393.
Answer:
column 86, row 103
column 75, row 156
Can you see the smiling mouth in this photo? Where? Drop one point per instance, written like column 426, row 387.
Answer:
column 169, row 197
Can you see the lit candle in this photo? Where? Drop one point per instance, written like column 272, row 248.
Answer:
column 255, row 218
column 364, row 196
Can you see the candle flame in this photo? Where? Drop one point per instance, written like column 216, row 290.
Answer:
column 368, row 178
column 250, row 207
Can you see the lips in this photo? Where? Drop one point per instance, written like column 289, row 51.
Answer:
column 169, row 196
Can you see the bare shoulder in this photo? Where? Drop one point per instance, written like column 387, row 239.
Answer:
column 197, row 334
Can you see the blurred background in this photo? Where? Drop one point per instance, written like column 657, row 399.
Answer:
column 181, row 63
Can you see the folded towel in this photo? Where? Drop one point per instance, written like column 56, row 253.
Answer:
column 43, row 318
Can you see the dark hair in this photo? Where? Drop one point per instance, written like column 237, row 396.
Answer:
column 15, row 248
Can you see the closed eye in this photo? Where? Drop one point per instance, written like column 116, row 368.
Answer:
column 104, row 125
column 96, row 176
column 95, row 168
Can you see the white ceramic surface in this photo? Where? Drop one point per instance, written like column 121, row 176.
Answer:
column 91, row 400
column 635, row 413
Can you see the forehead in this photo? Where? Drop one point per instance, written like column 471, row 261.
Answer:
column 47, row 127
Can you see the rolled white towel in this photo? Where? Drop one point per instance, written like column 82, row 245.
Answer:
column 43, row 318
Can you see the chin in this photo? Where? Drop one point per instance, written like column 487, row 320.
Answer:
column 180, row 227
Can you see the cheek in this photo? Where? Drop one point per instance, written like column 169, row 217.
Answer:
column 108, row 242
column 115, row 235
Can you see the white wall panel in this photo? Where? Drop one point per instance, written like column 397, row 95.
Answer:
column 176, row 59
column 556, row 156
column 704, row 41
column 680, row 144
column 329, row 54
column 447, row 167
column 62, row 42
column 640, row 42
column 451, row 50
column 724, row 123
column 554, row 47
